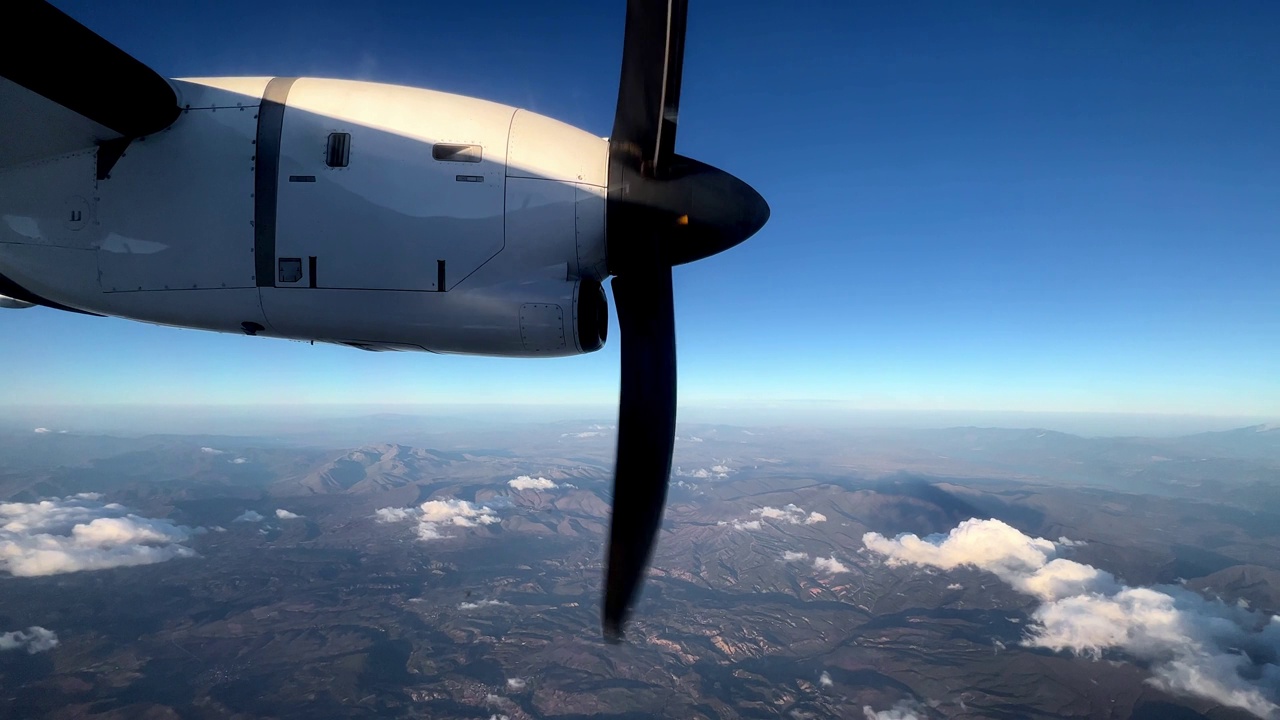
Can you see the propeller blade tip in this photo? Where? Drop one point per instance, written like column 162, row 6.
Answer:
column 613, row 634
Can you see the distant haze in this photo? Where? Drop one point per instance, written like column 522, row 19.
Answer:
column 291, row 419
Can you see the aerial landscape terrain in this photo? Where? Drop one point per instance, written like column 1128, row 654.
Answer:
column 397, row 567
column 344, row 346
column 958, row 322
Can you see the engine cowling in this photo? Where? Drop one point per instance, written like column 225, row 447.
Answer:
column 378, row 216
column 539, row 318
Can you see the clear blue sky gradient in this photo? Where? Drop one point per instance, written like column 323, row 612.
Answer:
column 1040, row 206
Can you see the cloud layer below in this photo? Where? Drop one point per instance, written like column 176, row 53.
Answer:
column 62, row 535
column 34, row 639
column 787, row 515
column 433, row 515
column 830, row 565
column 1194, row 646
column 524, row 482
column 479, row 604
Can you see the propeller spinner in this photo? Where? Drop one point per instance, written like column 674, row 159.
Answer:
column 663, row 210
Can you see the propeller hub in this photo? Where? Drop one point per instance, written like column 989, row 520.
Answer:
column 697, row 210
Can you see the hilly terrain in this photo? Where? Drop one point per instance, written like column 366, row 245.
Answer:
column 452, row 580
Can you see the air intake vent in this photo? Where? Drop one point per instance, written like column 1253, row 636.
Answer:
column 339, row 152
column 456, row 153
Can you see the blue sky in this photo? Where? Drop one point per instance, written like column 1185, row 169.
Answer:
column 976, row 206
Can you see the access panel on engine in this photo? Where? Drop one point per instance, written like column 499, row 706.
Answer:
column 176, row 210
column 387, row 188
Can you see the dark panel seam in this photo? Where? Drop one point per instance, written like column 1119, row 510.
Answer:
column 266, row 178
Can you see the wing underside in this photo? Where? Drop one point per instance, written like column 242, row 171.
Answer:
column 64, row 88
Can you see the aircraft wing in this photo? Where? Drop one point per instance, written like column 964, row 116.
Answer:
column 64, row 88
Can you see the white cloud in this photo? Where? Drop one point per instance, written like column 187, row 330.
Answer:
column 457, row 512
column 482, row 604
column 42, row 431
column 741, row 524
column 249, row 516
column 1193, row 645
column 587, row 434
column 524, row 482
column 955, row 586
column 239, row 461
column 286, row 515
column 495, row 716
column 829, row 564
column 212, row 451
column 825, row 679
column 792, row 556
column 789, row 514
column 989, row 544
column 433, row 514
column 430, row 531
column 109, row 531
column 718, row 471
column 901, row 710
column 516, row 683
column 34, row 639
column 390, row 514
column 76, row 533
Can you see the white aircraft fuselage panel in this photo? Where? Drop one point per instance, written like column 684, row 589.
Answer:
column 386, row 214
column 368, row 214
column 176, row 211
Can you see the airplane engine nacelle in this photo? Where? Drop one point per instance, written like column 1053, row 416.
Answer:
column 543, row 318
column 540, row 318
column 376, row 216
